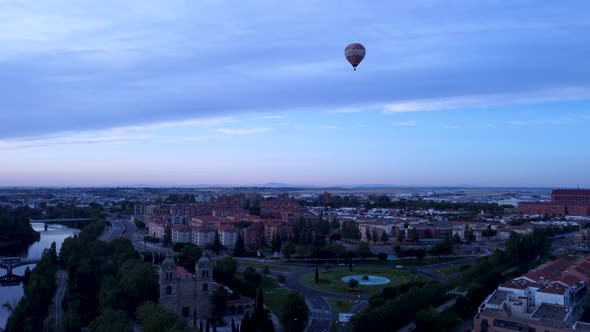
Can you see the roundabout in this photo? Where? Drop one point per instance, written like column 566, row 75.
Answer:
column 366, row 280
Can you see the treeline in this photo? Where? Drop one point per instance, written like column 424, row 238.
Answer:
column 15, row 228
column 389, row 310
column 62, row 210
column 104, row 279
column 29, row 314
column 107, row 285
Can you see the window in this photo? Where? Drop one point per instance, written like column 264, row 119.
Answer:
column 168, row 290
column 205, row 287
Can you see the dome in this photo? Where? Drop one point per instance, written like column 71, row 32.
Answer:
column 204, row 262
column 168, row 263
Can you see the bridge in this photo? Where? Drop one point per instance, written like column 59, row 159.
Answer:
column 9, row 263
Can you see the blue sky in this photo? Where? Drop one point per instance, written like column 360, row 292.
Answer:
column 484, row 93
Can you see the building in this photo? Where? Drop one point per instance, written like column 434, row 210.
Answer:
column 181, row 233
column 185, row 293
column 548, row 298
column 574, row 202
column 203, row 236
column 228, row 235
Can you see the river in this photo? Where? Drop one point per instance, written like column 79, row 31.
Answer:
column 54, row 233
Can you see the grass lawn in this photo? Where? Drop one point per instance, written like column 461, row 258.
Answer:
column 271, row 266
column 276, row 300
column 339, row 306
column 268, row 284
column 331, row 280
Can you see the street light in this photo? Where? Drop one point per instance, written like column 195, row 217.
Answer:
column 290, row 322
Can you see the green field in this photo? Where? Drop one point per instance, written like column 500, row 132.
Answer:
column 339, row 306
column 331, row 280
column 276, row 300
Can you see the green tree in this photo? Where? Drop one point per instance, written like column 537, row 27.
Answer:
column 382, row 256
column 288, row 249
column 139, row 283
column 335, row 224
column 364, row 250
column 154, row 318
column 353, row 283
column 218, row 301
column 489, row 232
column 111, row 319
column 216, row 246
column 239, row 249
column 167, row 236
column 317, row 275
column 368, row 234
column 224, row 269
column 296, row 312
column 384, row 237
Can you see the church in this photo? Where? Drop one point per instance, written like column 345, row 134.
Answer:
column 185, row 293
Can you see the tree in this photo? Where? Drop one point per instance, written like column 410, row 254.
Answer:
column 216, row 246
column 239, row 249
column 112, row 320
column 296, row 312
column 382, row 256
column 224, row 269
column 375, row 236
column 335, row 224
column 353, row 283
column 364, row 250
column 218, row 301
column 384, row 237
column 457, row 238
column 489, row 232
column 288, row 249
column 468, row 234
column 415, row 237
column 368, row 234
column 167, row 236
column 317, row 275
column 252, row 277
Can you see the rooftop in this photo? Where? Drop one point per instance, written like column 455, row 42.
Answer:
column 551, row 311
column 498, row 297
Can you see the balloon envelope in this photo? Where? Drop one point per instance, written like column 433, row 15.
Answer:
column 354, row 53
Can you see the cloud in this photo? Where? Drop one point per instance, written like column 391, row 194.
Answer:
column 242, row 131
column 15, row 144
column 489, row 100
column 450, row 126
column 82, row 66
column 519, row 123
column 329, row 127
column 409, row 123
column 484, row 125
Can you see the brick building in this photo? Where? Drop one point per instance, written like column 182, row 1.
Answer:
column 563, row 202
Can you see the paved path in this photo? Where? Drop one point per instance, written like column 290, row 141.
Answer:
column 61, row 282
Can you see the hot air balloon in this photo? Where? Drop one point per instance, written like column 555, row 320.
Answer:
column 354, row 53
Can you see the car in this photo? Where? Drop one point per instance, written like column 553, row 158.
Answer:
column 399, row 266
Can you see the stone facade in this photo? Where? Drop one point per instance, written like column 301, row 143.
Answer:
column 185, row 293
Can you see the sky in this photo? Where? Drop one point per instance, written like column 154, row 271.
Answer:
column 219, row 92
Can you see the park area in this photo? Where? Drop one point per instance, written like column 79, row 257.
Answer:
column 331, row 280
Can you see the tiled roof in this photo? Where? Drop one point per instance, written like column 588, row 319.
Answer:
column 182, row 273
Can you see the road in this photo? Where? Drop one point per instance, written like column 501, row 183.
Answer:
column 61, row 282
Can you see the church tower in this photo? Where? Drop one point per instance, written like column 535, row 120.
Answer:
column 203, row 285
column 168, row 284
